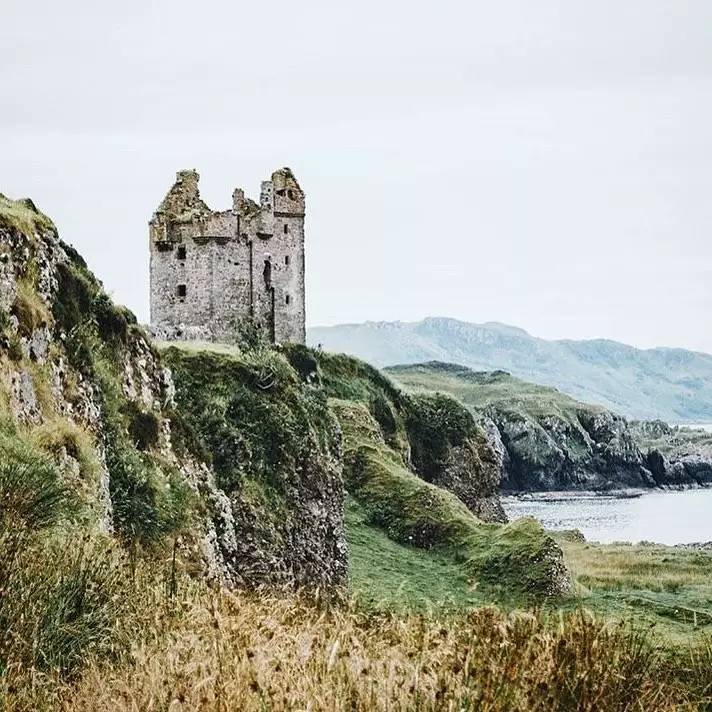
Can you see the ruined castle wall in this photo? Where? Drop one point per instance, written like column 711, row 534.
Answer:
column 285, row 251
column 211, row 270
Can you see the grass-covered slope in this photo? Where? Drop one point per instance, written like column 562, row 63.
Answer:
column 671, row 384
column 552, row 441
column 433, row 434
column 518, row 558
column 483, row 390
column 89, row 481
column 81, row 382
column 421, row 471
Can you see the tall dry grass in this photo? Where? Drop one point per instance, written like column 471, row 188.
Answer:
column 260, row 652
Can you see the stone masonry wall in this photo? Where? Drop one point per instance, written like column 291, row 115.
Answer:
column 212, row 270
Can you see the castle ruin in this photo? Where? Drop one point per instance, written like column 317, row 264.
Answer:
column 212, row 271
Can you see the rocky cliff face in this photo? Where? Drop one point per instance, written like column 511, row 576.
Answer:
column 549, row 441
column 275, row 448
column 676, row 456
column 82, row 386
column 593, row 451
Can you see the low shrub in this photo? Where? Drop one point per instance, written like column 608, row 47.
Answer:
column 60, row 437
column 62, row 604
column 111, row 320
column 148, row 502
column 74, row 299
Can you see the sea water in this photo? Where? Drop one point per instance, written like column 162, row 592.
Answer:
column 664, row 517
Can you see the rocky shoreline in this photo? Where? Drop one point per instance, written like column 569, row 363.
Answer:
column 582, row 494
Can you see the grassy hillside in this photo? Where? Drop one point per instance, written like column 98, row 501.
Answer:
column 495, row 389
column 136, row 511
column 671, row 384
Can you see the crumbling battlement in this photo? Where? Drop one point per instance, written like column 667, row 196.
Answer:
column 212, row 270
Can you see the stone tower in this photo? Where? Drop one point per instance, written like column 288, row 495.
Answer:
column 213, row 270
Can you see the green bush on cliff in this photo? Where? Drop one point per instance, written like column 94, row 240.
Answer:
column 80, row 300
column 75, row 293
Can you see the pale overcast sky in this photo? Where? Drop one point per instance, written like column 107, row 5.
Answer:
column 545, row 164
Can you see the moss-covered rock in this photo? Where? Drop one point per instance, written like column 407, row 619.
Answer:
column 81, row 383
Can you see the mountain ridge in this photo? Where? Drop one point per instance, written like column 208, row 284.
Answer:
column 665, row 382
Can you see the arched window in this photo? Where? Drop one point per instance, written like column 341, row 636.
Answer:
column 286, row 299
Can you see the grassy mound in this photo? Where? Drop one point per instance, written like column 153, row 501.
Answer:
column 22, row 216
column 518, row 557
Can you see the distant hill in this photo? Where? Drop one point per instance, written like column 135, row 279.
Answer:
column 671, row 384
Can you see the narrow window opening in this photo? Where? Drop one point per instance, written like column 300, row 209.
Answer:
column 286, row 229
column 181, row 290
column 290, row 193
column 286, row 299
column 267, row 274
column 181, row 253
column 286, row 260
